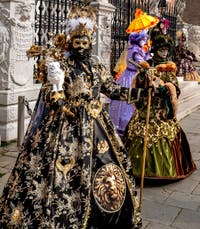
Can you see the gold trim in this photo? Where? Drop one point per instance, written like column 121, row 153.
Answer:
column 102, row 146
column 56, row 95
column 65, row 168
column 16, row 216
column 94, row 108
column 131, row 185
column 87, row 214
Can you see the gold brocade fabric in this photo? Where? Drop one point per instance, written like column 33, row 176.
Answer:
column 159, row 125
column 70, row 138
column 157, row 129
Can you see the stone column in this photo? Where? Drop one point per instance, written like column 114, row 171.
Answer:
column 194, row 43
column 102, row 48
column 103, row 39
column 16, row 71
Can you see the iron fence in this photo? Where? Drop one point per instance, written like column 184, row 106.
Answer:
column 50, row 16
column 123, row 15
column 170, row 12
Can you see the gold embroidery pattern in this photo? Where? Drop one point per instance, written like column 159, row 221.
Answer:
column 102, row 147
column 130, row 182
column 94, row 108
column 65, row 168
column 157, row 129
column 16, row 216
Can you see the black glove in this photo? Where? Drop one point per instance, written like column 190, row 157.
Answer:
column 144, row 91
column 57, row 100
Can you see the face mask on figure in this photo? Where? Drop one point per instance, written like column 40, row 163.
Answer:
column 143, row 42
column 163, row 52
column 81, row 47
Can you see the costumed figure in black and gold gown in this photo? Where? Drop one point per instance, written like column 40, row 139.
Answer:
column 72, row 170
column 168, row 153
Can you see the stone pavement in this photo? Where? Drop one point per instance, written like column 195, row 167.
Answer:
column 171, row 206
column 176, row 205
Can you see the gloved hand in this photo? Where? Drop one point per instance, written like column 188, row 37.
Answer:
column 57, row 99
column 144, row 64
column 144, row 91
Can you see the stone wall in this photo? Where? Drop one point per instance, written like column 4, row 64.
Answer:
column 16, row 71
column 191, row 14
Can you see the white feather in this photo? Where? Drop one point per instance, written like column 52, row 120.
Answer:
column 72, row 24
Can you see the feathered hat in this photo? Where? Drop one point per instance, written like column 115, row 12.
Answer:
column 135, row 37
column 160, row 41
column 81, row 21
column 181, row 35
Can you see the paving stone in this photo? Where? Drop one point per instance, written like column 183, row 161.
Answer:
column 196, row 175
column 158, row 226
column 196, row 156
column 2, row 150
column 186, row 186
column 4, row 179
column 12, row 147
column 5, row 173
column 183, row 200
column 194, row 142
column 190, row 127
column 1, row 188
column 187, row 219
column 197, row 190
column 144, row 224
column 159, row 213
column 7, row 162
column 4, row 170
column 197, row 164
column 156, row 194
column 12, row 154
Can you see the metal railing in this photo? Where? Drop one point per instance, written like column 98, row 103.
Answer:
column 50, row 16
column 22, row 104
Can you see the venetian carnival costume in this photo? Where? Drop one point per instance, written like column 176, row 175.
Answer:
column 121, row 111
column 184, row 59
column 72, row 170
column 168, row 153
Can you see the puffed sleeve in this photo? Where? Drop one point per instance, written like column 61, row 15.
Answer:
column 115, row 91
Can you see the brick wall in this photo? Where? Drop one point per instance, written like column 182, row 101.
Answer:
column 191, row 13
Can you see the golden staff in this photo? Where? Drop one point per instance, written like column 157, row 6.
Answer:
column 151, row 72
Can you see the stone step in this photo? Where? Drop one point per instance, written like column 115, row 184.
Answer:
column 189, row 99
column 188, row 93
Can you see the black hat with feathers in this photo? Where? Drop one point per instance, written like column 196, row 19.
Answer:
column 159, row 41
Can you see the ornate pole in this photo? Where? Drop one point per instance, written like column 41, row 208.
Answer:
column 151, row 72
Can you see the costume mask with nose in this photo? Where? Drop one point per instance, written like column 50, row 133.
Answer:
column 163, row 52
column 81, row 47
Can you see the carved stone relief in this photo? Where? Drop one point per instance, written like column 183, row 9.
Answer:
column 4, row 48
column 105, row 39
column 22, row 38
column 180, row 10
column 154, row 7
